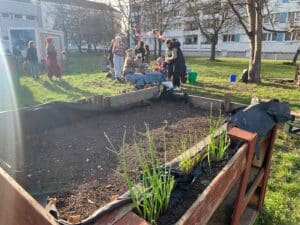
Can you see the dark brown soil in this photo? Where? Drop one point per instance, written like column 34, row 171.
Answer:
column 73, row 160
column 177, row 209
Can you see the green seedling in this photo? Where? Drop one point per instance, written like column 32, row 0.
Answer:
column 217, row 146
column 152, row 194
column 188, row 162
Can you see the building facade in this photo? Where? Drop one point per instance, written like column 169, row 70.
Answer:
column 233, row 41
column 19, row 21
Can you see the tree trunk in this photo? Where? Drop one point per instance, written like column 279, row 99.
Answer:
column 213, row 51
column 159, row 48
column 79, row 48
column 254, row 10
column 296, row 56
column 255, row 64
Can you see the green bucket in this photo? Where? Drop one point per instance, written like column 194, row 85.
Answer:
column 192, row 77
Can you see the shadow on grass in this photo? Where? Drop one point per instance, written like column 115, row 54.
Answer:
column 66, row 86
column 276, row 85
column 25, row 97
column 209, row 85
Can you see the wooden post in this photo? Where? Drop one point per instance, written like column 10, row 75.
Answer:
column 227, row 102
column 250, row 138
column 267, row 168
column 18, row 207
column 260, row 181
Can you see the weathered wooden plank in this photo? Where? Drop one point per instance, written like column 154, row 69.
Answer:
column 208, row 201
column 263, row 148
column 249, row 216
column 131, row 219
column 18, row 207
column 133, row 97
column 206, row 103
column 114, row 216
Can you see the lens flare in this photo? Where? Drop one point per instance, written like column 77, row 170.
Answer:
column 11, row 147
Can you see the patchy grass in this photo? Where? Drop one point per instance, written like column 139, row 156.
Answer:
column 82, row 79
column 282, row 203
column 213, row 80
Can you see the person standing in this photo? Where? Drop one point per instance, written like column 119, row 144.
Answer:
column 140, row 49
column 32, row 59
column 53, row 68
column 175, row 56
column 119, row 49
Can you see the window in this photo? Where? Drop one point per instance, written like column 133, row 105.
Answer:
column 267, row 37
column 30, row 17
column 177, row 26
column 274, row 36
column 282, row 17
column 291, row 36
column 5, row 38
column 266, row 19
column 287, row 36
column 6, row 15
column 18, row 16
column 175, row 13
column 191, row 40
column 277, row 36
column 297, row 16
column 231, row 38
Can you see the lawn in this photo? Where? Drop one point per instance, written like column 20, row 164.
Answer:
column 83, row 78
column 282, row 203
column 213, row 80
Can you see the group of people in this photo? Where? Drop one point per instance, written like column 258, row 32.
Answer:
column 52, row 67
column 128, row 64
column 133, row 64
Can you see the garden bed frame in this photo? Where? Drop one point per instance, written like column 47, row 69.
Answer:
column 18, row 207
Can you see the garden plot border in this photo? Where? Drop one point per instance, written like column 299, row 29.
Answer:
column 29, row 211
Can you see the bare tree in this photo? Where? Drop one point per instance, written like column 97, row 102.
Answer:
column 157, row 15
column 212, row 17
column 147, row 15
column 250, row 15
column 81, row 24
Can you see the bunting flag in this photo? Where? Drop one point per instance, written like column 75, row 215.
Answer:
column 154, row 32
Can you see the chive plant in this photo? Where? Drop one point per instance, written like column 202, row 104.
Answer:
column 188, row 162
column 217, row 146
column 152, row 194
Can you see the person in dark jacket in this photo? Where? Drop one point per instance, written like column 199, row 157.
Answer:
column 175, row 56
column 32, row 59
column 140, row 49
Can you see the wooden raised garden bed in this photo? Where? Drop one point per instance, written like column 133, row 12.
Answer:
column 235, row 172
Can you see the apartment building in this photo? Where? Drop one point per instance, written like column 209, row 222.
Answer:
column 285, row 18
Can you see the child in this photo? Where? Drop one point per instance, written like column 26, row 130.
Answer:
column 160, row 66
column 32, row 59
